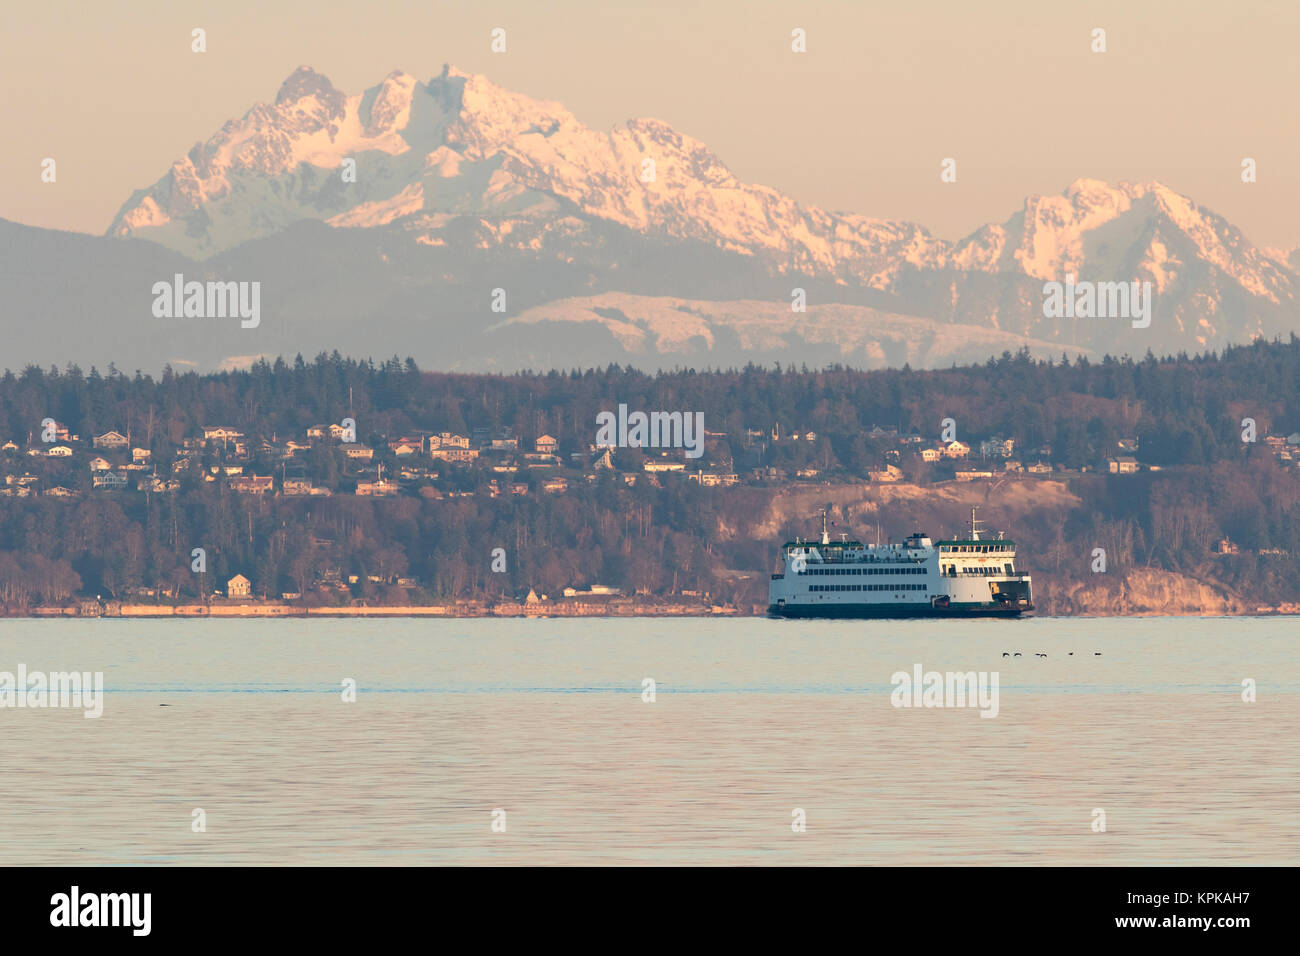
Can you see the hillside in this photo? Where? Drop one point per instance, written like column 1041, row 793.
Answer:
column 338, row 481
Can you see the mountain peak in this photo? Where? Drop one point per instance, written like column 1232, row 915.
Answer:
column 461, row 163
column 304, row 82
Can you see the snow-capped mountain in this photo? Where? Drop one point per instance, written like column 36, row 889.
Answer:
column 460, row 146
column 442, row 190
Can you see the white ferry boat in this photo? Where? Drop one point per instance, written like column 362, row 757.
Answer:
column 965, row 577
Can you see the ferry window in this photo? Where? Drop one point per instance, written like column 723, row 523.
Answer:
column 1008, row 567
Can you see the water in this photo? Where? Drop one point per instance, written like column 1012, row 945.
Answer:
column 752, row 719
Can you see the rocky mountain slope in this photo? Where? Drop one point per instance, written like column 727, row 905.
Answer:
column 401, row 209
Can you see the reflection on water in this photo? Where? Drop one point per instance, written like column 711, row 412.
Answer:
column 752, row 719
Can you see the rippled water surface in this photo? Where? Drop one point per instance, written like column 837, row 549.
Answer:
column 751, row 720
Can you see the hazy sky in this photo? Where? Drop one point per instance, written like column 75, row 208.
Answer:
column 860, row 122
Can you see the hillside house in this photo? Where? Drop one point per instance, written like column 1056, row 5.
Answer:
column 252, row 484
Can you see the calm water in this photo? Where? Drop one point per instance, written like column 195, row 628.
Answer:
column 753, row 718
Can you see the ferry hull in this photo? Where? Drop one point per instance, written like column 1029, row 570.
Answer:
column 888, row 611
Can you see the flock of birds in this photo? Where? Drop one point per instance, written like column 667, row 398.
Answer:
column 1041, row 654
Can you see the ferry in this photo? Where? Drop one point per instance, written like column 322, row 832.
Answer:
column 965, row 577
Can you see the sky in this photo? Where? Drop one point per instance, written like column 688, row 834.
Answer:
column 861, row 122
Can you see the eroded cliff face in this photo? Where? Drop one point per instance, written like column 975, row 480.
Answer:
column 1007, row 504
column 1136, row 592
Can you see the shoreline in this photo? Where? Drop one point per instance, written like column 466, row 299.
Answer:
column 275, row 610
column 510, row 610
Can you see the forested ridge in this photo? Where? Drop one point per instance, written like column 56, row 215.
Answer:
column 1184, row 415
